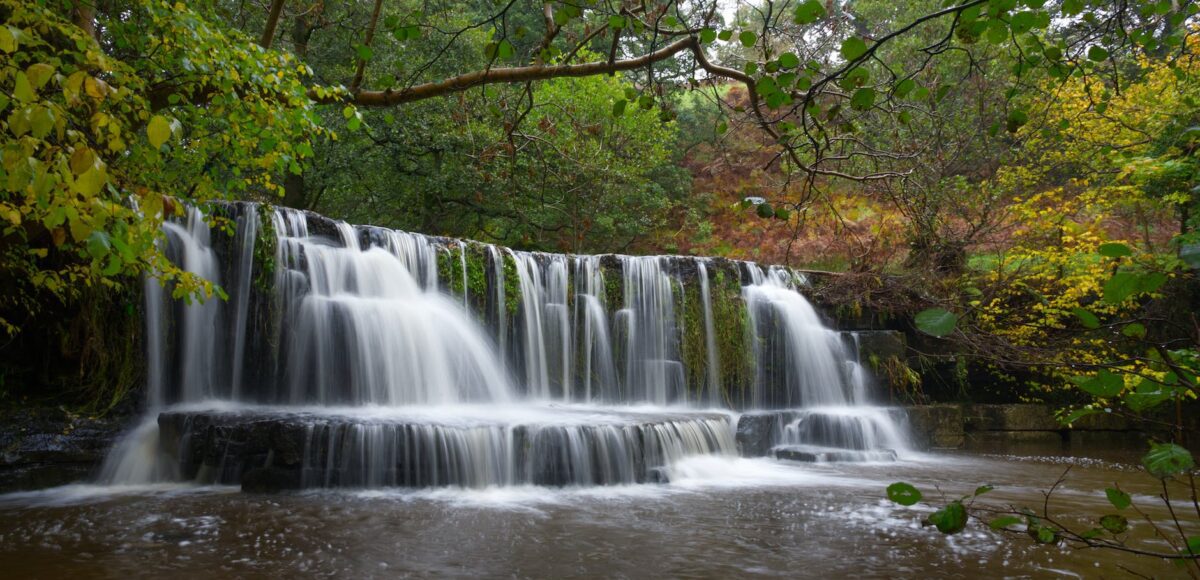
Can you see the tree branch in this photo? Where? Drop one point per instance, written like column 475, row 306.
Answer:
column 519, row 74
column 268, row 34
column 362, row 62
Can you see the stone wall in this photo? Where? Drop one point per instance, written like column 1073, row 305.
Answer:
column 1033, row 429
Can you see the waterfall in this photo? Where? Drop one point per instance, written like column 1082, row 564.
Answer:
column 367, row 333
column 247, row 234
column 712, row 372
column 568, row 370
column 653, row 371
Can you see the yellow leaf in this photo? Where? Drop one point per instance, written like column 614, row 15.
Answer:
column 159, row 130
column 81, row 160
column 39, row 74
column 91, row 181
column 8, row 40
column 80, row 230
column 95, row 88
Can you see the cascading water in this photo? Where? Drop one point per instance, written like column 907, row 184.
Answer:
column 803, row 364
column 362, row 368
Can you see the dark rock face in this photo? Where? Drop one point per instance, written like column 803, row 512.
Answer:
column 271, row 480
column 758, row 432
column 881, row 345
column 47, row 447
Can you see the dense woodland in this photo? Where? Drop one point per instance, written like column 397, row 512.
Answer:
column 1020, row 175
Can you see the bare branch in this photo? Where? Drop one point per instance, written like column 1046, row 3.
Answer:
column 362, row 62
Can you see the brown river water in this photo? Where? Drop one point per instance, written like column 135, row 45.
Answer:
column 721, row 517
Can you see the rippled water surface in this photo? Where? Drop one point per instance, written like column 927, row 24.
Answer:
column 721, row 517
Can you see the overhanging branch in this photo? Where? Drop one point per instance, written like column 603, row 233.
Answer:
column 520, row 74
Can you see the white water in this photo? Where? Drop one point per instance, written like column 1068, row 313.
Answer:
column 360, row 321
column 713, row 361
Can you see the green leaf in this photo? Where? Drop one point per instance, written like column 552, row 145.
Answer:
column 747, row 38
column 1072, row 7
column 618, row 108
column 41, row 121
column 862, row 99
column 1118, row 498
column 725, row 35
column 903, row 88
column 1193, row 545
column 983, row 489
column 936, row 321
column 766, row 85
column 1104, row 385
column 809, row 11
column 1114, row 250
column 158, row 130
column 788, row 60
column 616, row 22
column 97, row 244
column 903, row 493
column 708, row 35
column 782, row 213
column 1134, row 330
column 505, row 49
column 1043, row 535
column 1003, row 522
column 1017, row 118
column 1121, row 286
column 764, row 210
column 1146, row 395
column 364, row 52
column 1022, row 22
column 951, row 519
column 853, row 48
column 1151, row 282
column 22, row 90
column 1097, row 53
column 1114, row 523
column 1167, row 459
column 1088, row 319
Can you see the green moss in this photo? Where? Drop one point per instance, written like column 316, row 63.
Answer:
column 693, row 347
column 265, row 250
column 512, row 284
column 449, row 271
column 614, row 289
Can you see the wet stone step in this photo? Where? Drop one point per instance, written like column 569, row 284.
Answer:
column 809, row 454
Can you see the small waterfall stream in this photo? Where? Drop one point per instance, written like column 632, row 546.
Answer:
column 362, row 356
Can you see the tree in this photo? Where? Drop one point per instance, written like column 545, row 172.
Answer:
column 103, row 141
